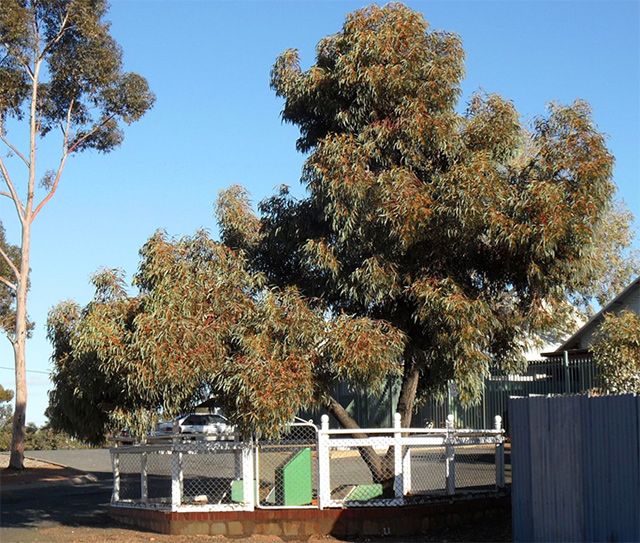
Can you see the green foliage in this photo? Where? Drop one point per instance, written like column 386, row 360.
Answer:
column 202, row 325
column 616, row 349
column 612, row 262
column 7, row 292
column 6, row 417
column 466, row 232
column 7, row 284
column 43, row 438
column 85, row 91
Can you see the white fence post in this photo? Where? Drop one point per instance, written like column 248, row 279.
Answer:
column 144, row 486
column 177, row 474
column 500, row 475
column 324, row 475
column 248, row 478
column 115, row 461
column 398, row 482
column 450, row 461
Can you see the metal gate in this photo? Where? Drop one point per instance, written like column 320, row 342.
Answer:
column 287, row 468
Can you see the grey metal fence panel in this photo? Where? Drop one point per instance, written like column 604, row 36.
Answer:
column 576, row 468
column 520, row 472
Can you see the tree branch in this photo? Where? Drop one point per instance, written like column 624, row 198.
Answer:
column 61, row 32
column 65, row 154
column 8, row 283
column 13, row 267
column 14, row 149
column 54, row 187
column 89, row 134
column 13, row 194
column 20, row 61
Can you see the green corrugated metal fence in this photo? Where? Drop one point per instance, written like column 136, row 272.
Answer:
column 559, row 375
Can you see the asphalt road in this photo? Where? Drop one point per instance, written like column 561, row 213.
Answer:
column 24, row 512
column 96, row 461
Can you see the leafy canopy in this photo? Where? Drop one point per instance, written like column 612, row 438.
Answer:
column 60, row 52
column 429, row 243
column 465, row 231
column 616, row 349
column 202, row 325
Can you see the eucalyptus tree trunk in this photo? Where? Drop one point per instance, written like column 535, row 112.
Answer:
column 26, row 215
column 19, row 347
column 380, row 470
column 408, row 392
column 381, row 467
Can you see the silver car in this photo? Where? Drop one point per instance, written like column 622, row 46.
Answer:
column 213, row 427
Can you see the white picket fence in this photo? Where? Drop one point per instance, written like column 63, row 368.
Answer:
column 389, row 467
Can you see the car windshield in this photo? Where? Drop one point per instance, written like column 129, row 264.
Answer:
column 204, row 420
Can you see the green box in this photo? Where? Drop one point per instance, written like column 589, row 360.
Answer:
column 294, row 482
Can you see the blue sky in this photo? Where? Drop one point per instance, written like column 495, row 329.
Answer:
column 216, row 122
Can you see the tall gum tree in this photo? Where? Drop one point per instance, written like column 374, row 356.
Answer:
column 60, row 71
column 428, row 245
column 466, row 232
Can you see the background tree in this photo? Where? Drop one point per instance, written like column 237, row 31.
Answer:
column 59, row 69
column 612, row 258
column 616, row 349
column 6, row 418
column 466, row 232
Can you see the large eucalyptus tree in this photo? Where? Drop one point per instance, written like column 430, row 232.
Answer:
column 467, row 231
column 429, row 244
column 61, row 74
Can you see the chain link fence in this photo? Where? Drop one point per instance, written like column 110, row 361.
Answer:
column 182, row 474
column 287, row 468
column 307, row 467
column 475, row 469
column 407, row 466
column 427, row 472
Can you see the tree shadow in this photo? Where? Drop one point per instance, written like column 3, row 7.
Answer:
column 36, row 506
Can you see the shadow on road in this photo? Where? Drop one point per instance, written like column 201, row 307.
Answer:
column 82, row 505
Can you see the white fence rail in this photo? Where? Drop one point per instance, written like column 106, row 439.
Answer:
column 397, row 466
column 309, row 467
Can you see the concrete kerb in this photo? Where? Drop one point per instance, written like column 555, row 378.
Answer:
column 73, row 481
column 76, row 480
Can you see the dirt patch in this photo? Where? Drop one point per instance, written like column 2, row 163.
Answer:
column 36, row 471
column 121, row 535
column 495, row 530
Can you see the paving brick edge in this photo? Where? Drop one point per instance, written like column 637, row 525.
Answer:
column 304, row 523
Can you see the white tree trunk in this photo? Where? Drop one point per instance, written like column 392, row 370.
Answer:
column 19, row 347
column 20, row 340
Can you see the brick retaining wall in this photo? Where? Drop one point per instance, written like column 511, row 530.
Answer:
column 302, row 523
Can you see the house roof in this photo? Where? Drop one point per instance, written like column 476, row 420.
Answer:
column 615, row 305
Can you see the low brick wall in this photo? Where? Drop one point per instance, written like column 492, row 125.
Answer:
column 303, row 523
